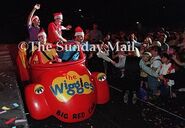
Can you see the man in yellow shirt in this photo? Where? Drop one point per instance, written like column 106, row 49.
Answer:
column 44, row 51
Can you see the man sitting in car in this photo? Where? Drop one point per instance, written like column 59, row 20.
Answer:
column 44, row 51
column 73, row 52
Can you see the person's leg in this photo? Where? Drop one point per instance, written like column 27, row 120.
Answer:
column 141, row 83
column 164, row 89
column 134, row 89
column 126, row 90
column 153, row 85
column 126, row 96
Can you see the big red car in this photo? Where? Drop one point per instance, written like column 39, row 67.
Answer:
column 66, row 90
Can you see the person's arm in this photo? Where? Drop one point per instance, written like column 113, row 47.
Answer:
column 68, row 27
column 53, row 30
column 177, row 61
column 120, row 64
column 156, row 65
column 137, row 53
column 137, row 44
column 55, row 55
column 60, row 37
column 104, row 56
column 171, row 76
column 147, row 69
column 36, row 7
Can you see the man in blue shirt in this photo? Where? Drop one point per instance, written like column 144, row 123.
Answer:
column 73, row 52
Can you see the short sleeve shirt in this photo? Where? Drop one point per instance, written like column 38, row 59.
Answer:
column 52, row 28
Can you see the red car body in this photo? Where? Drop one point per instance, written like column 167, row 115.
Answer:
column 66, row 90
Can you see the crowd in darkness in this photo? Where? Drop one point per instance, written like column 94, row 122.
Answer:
column 155, row 69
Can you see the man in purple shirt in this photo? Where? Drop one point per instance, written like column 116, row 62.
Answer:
column 33, row 24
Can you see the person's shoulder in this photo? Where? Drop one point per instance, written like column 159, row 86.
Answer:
column 51, row 24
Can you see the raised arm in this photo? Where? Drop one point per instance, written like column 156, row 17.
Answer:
column 60, row 37
column 177, row 61
column 29, row 21
column 68, row 27
column 147, row 69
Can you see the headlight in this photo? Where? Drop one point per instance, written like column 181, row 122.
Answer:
column 39, row 89
column 101, row 77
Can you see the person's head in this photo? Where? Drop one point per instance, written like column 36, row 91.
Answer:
column 132, row 37
column 155, row 51
column 107, row 37
column 58, row 17
column 95, row 26
column 122, row 34
column 148, row 40
column 165, row 58
column 156, row 43
column 42, row 37
column 162, row 37
column 79, row 34
column 35, row 21
column 146, row 56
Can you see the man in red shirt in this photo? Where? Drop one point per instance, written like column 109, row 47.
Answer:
column 55, row 29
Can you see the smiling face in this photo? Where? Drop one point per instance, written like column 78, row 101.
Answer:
column 42, row 39
column 58, row 21
column 146, row 58
column 36, row 22
column 79, row 38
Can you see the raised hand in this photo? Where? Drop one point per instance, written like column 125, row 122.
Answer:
column 68, row 27
column 37, row 6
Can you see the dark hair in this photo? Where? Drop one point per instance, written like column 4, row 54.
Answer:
column 166, row 55
column 156, row 48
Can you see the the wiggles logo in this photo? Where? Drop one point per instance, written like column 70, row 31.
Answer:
column 65, row 87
